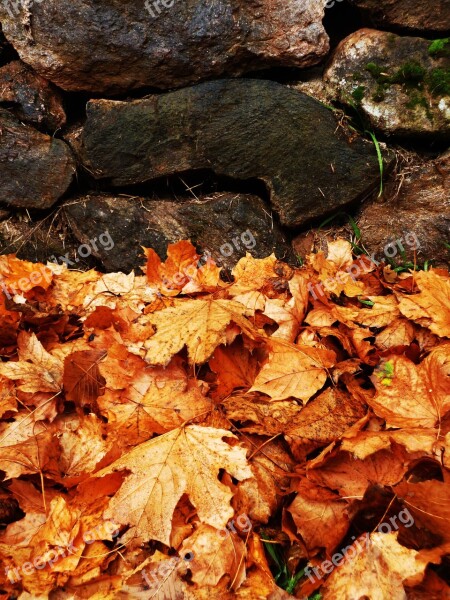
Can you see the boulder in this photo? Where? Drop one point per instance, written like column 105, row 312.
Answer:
column 35, row 169
column 244, row 129
column 225, row 225
column 32, row 98
column 111, row 46
column 400, row 84
column 413, row 15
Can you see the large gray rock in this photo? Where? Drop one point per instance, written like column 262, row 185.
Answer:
column 401, row 84
column 32, row 98
column 35, row 169
column 415, row 15
column 111, row 46
column 242, row 129
column 225, row 225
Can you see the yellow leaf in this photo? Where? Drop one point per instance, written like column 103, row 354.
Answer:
column 198, row 324
column 184, row 461
column 293, row 371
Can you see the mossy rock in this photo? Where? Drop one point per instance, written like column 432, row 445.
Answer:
column 403, row 84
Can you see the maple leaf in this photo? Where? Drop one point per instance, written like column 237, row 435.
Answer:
column 198, row 324
column 429, row 503
column 351, row 477
column 235, row 367
column 250, row 274
column 289, row 315
column 377, row 568
column 293, row 371
column 186, row 460
column 400, row 332
column 82, row 444
column 216, row 555
column 320, row 515
column 21, row 276
column 424, row 390
column 82, row 381
column 322, row 420
column 431, row 307
column 382, row 313
column 37, row 370
column 26, row 448
column 155, row 400
column 182, row 272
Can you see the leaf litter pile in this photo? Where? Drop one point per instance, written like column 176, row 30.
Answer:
column 196, row 436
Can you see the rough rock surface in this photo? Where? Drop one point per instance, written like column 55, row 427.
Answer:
column 418, row 214
column 35, row 169
column 32, row 98
column 111, row 46
column 226, row 225
column 415, row 15
column 422, row 208
column 401, row 84
column 242, row 129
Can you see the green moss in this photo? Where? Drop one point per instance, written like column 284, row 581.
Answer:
column 358, row 93
column 417, row 99
column 374, row 69
column 438, row 82
column 410, row 72
column 439, row 47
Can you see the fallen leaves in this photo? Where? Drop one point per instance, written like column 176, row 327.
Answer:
column 293, row 371
column 184, row 461
column 260, row 423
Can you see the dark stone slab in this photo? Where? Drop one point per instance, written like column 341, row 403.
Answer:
column 242, row 129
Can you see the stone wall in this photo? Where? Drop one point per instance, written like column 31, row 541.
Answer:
column 157, row 120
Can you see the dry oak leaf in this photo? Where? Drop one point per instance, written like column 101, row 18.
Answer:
column 217, row 554
column 198, row 324
column 37, row 370
column 320, row 516
column 410, row 395
column 431, row 307
column 184, row 461
column 293, row 371
column 377, row 568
